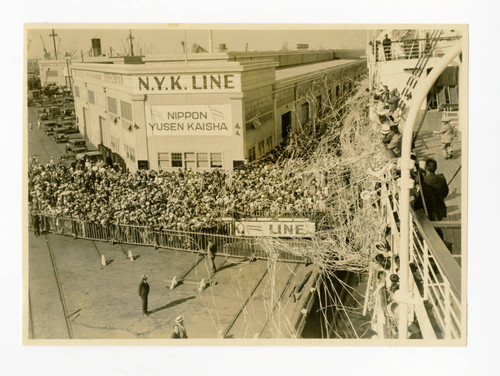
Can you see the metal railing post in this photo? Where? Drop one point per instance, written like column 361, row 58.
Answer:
column 447, row 310
column 426, row 271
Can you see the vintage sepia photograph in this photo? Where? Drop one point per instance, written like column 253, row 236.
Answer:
column 259, row 183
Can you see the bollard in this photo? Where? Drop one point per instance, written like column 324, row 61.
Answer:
column 174, row 283
column 103, row 260
column 202, row 285
column 130, row 256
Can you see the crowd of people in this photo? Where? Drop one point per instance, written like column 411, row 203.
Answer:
column 385, row 117
column 182, row 200
column 430, row 189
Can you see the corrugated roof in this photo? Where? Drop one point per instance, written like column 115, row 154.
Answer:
column 286, row 73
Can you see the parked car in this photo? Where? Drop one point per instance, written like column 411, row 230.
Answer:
column 75, row 145
column 60, row 134
column 68, row 160
column 92, row 156
column 70, row 126
column 49, row 126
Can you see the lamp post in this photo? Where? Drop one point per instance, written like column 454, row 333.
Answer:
column 419, row 95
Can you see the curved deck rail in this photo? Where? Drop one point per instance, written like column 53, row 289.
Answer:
column 435, row 280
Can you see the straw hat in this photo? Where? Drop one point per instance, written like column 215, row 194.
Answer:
column 179, row 319
column 385, row 128
column 446, row 119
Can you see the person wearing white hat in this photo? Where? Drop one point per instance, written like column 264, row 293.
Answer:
column 179, row 329
column 143, row 293
column 447, row 135
column 385, row 129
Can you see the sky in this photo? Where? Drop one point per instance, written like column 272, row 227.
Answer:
column 162, row 41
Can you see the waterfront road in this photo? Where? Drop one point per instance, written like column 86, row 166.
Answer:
column 44, row 146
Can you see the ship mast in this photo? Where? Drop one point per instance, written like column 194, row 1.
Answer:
column 130, row 37
column 54, row 35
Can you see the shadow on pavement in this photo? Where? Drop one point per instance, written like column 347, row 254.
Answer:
column 172, row 304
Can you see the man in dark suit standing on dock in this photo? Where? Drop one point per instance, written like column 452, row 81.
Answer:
column 211, row 251
column 143, row 293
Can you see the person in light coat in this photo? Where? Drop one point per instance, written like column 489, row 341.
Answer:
column 447, row 135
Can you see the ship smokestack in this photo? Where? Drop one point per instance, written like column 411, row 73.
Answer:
column 96, row 47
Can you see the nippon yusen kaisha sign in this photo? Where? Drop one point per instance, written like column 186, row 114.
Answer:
column 206, row 120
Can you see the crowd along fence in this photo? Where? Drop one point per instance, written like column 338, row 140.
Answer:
column 226, row 243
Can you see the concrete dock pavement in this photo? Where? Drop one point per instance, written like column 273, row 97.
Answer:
column 106, row 300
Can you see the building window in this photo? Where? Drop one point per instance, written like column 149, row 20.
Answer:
column 77, row 92
column 261, row 148
column 130, row 152
column 216, row 160
column 52, row 73
column 176, row 159
column 202, row 160
column 126, row 110
column 189, row 161
column 269, row 143
column 91, row 97
column 251, row 154
column 112, row 106
column 163, row 160
column 115, row 143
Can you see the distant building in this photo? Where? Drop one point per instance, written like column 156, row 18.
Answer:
column 33, row 69
column 215, row 111
column 54, row 72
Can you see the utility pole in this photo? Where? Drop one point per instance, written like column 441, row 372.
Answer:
column 131, row 43
column 54, row 35
column 68, row 58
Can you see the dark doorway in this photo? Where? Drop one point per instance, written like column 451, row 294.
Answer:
column 117, row 158
column 286, row 123
column 102, row 122
column 85, row 118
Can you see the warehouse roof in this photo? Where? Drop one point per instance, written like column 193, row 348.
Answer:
column 283, row 74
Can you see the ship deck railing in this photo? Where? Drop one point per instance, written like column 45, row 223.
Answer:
column 409, row 49
column 435, row 275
